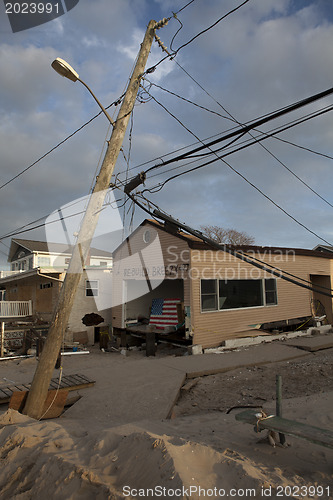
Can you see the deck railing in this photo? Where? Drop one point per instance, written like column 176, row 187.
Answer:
column 7, row 274
column 15, row 308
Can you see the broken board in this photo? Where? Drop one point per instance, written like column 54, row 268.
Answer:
column 53, row 406
column 323, row 437
column 69, row 382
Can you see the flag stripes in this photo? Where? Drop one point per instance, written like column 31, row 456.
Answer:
column 164, row 313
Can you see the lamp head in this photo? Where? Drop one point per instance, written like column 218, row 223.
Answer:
column 64, row 69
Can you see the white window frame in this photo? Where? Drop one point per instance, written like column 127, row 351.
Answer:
column 88, row 288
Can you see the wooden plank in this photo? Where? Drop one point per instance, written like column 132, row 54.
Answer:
column 19, row 387
column 53, row 406
column 82, row 378
column 53, row 384
column 17, row 401
column 68, row 382
column 323, row 437
column 77, row 379
column 5, row 393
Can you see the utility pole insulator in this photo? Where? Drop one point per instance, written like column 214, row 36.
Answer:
column 161, row 23
column 161, row 44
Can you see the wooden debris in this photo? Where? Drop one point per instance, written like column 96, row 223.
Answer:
column 323, row 437
column 189, row 385
column 53, row 406
column 69, row 382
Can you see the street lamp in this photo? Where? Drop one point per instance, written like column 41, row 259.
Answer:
column 64, row 69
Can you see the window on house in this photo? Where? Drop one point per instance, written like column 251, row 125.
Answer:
column 240, row 293
column 42, row 286
column 31, row 263
column 103, row 264
column 235, row 294
column 91, row 288
column 13, row 267
column 208, row 295
column 270, row 292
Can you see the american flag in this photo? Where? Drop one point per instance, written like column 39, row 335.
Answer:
column 164, row 313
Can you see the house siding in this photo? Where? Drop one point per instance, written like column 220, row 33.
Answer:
column 43, row 300
column 212, row 328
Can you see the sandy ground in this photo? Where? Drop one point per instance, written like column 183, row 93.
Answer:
column 201, row 452
column 257, row 385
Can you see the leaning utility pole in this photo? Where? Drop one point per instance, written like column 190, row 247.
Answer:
column 41, row 381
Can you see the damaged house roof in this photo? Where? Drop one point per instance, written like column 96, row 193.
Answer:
column 196, row 243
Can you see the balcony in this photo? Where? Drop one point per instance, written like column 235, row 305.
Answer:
column 7, row 274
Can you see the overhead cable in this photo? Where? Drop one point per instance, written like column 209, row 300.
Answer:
column 245, row 144
column 175, row 52
column 30, row 227
column 251, row 125
column 243, row 130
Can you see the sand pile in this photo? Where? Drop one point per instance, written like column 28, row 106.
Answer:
column 44, row 460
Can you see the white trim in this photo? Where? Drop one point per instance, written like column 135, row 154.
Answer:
column 91, row 288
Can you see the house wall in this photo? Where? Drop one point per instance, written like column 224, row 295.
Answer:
column 49, row 259
column 43, row 299
column 212, row 328
column 83, row 304
column 99, row 261
column 157, row 256
column 166, row 256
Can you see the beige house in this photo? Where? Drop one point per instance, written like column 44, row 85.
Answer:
column 223, row 296
column 37, row 272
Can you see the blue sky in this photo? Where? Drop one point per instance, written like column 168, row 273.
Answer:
column 263, row 57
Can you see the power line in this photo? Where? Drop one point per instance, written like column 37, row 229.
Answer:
column 230, row 117
column 174, row 53
column 180, row 10
column 262, row 145
column 250, row 126
column 212, row 25
column 244, row 130
column 26, row 228
column 305, row 149
column 188, row 100
column 243, row 145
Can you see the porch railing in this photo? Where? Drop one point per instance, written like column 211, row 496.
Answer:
column 15, row 308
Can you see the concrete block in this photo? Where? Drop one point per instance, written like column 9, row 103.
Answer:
column 195, row 349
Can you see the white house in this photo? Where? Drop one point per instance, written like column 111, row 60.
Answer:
column 37, row 272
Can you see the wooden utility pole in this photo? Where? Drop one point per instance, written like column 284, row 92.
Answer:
column 40, row 384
